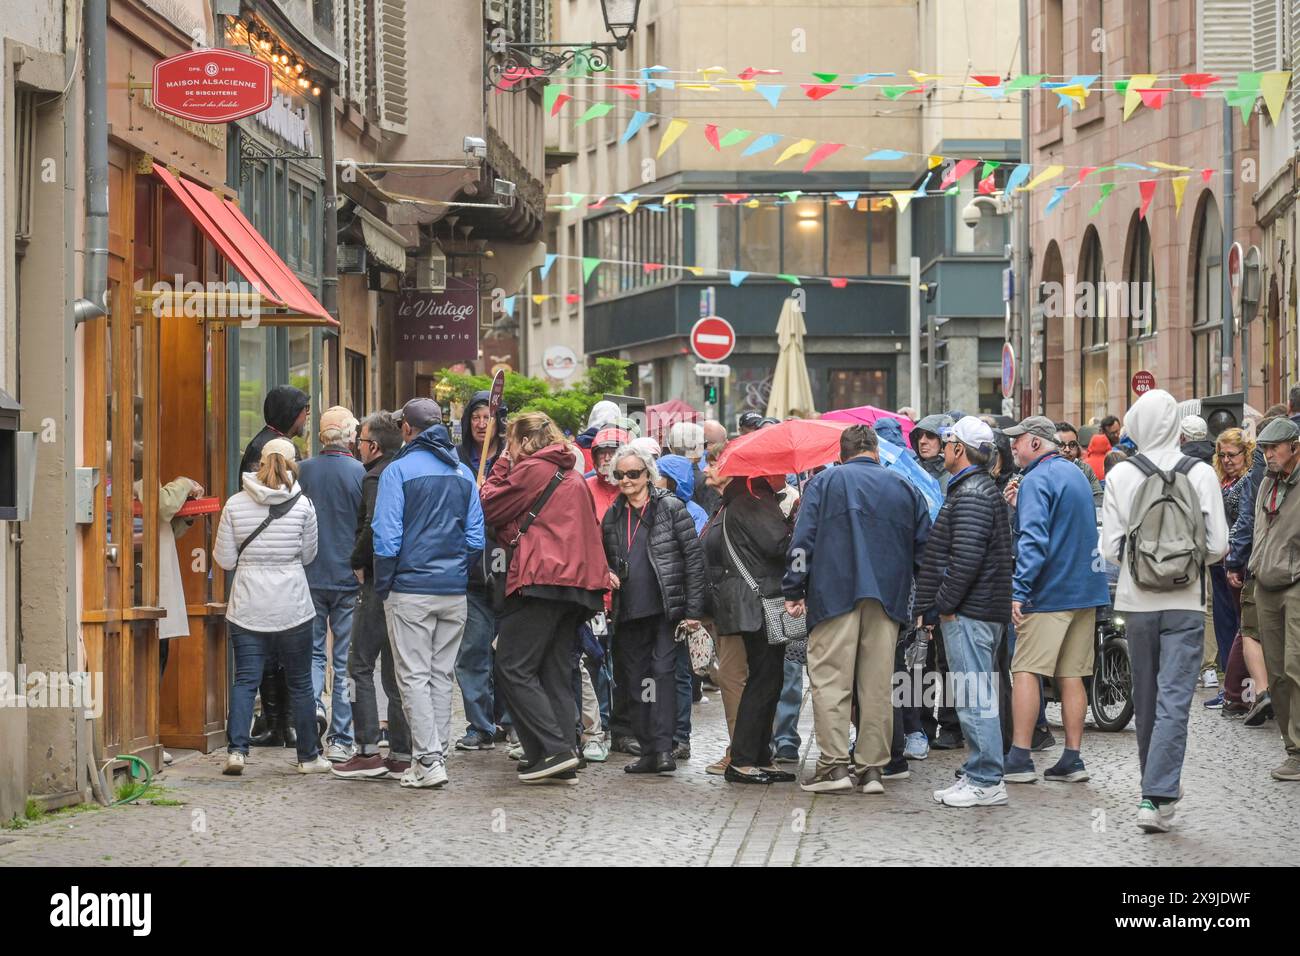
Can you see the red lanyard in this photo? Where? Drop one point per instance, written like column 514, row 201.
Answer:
column 632, row 532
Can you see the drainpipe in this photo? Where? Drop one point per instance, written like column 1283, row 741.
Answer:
column 1024, row 254
column 94, row 302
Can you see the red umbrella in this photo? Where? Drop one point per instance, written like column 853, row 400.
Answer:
column 792, row 446
column 667, row 414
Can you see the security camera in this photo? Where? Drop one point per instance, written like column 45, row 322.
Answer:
column 972, row 215
column 504, row 189
column 475, row 146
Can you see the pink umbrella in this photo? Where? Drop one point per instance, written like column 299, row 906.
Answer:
column 792, row 446
column 869, row 415
column 667, row 414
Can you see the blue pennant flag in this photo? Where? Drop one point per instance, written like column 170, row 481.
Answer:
column 738, row 277
column 766, row 141
column 639, row 119
column 1018, row 176
column 546, row 266
column 770, row 92
column 1057, row 195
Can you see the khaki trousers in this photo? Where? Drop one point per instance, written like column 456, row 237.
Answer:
column 853, row 651
column 1210, row 656
column 733, row 671
column 1279, row 636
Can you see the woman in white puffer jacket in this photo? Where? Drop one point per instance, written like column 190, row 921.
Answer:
column 269, row 610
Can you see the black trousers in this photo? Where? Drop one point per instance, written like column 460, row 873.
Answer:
column 751, row 743
column 937, row 663
column 534, row 672
column 645, row 666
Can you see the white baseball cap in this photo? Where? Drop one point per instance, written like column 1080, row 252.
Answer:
column 1193, row 428
column 969, row 431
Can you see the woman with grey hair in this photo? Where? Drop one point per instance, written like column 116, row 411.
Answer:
column 657, row 569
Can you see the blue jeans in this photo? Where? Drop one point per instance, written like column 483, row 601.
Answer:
column 785, row 729
column 971, row 647
column 602, row 682
column 682, row 725
column 293, row 650
column 334, row 607
column 474, row 665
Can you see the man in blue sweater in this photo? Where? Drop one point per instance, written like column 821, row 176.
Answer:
column 428, row 523
column 1055, row 594
column 332, row 480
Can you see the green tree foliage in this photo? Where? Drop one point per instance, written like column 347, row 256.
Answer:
column 568, row 408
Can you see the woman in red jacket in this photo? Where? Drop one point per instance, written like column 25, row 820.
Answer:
column 556, row 579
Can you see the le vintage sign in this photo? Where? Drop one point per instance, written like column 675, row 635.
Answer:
column 211, row 85
column 438, row 326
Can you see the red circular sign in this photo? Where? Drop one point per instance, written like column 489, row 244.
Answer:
column 212, row 85
column 1143, row 382
column 713, row 338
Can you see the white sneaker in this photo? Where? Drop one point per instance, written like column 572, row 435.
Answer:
column 419, row 776
column 234, row 764
column 167, row 759
column 316, row 765
column 596, row 751
column 1210, row 678
column 340, row 753
column 940, row 794
column 1155, row 819
column 516, row 752
column 971, row 795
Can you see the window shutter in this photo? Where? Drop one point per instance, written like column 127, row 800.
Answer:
column 1266, row 37
column 1293, row 63
column 1224, row 38
column 356, row 51
column 390, row 64
column 341, row 43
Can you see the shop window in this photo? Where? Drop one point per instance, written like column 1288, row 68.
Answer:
column 1142, row 307
column 846, row 243
column 1207, row 320
column 804, row 237
column 1052, row 60
column 307, row 231
column 1091, row 316
column 354, row 379
column 253, row 362
column 882, row 225
column 760, row 239
column 859, row 386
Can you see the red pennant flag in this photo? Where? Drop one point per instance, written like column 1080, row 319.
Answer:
column 560, row 100
column 631, row 89
column 986, row 185
column 573, row 298
column 1153, row 99
column 988, row 79
column 748, row 73
column 649, row 267
column 711, row 134
column 1197, row 82
column 1206, row 174
column 839, row 283
column 958, row 170
column 1083, row 173
column 1147, row 188
column 599, row 203
column 818, row 91
column 823, row 151
column 734, row 198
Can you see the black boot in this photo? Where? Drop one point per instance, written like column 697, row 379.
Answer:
column 287, row 729
column 268, row 730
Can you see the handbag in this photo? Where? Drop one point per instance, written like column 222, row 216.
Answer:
column 781, row 627
column 497, row 580
column 699, row 647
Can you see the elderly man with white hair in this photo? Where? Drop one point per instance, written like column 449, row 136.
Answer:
column 332, row 480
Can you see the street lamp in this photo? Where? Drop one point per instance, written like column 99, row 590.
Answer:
column 510, row 66
column 620, row 19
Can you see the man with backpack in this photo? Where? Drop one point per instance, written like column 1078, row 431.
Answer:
column 1162, row 522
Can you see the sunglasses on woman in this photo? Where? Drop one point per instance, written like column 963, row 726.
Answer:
column 632, row 474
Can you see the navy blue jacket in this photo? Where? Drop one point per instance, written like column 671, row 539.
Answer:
column 332, row 480
column 1057, row 540
column 428, row 521
column 1242, row 534
column 860, row 534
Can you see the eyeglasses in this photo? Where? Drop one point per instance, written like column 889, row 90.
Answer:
column 632, row 474
column 1069, row 444
column 1240, row 453
column 366, row 441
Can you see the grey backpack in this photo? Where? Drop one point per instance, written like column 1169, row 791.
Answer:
column 1165, row 538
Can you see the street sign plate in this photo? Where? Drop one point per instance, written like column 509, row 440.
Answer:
column 712, row 370
column 713, row 338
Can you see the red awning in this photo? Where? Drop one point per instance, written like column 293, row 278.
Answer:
column 245, row 249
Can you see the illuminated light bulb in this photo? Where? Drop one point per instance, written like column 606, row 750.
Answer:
column 315, row 91
column 299, row 67
column 302, row 81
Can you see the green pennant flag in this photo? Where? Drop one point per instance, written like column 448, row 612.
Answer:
column 1105, row 191
column 1121, row 87
column 1105, row 169
column 792, row 195
column 989, row 166
column 848, row 86
column 734, row 137
column 1026, row 81
column 685, row 205
column 793, row 280
column 1244, row 100
column 549, row 96
column 595, row 111
column 952, row 190
column 826, row 77
column 588, row 267
column 894, row 92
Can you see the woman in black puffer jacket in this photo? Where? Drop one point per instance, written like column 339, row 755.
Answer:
column 658, row 576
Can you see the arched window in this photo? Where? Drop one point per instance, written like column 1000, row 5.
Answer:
column 1091, row 314
column 1207, row 301
column 1140, row 302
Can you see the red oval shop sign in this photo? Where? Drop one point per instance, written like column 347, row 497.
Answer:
column 1143, row 382
column 212, row 86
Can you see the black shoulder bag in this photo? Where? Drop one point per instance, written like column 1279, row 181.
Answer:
column 277, row 510
column 497, row 579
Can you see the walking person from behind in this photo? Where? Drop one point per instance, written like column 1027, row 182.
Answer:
column 1162, row 522
column 267, row 533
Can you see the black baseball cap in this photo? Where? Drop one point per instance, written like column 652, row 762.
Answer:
column 420, row 413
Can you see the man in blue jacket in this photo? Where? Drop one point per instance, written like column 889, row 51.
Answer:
column 332, row 480
column 1055, row 594
column 857, row 543
column 427, row 525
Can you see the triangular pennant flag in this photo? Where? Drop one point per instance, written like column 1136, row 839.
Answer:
column 934, row 162
column 1273, row 86
column 884, row 155
column 540, row 299
column 699, row 87
column 708, row 71
column 654, row 207
column 989, row 166
column 745, row 86
column 753, row 204
column 1147, row 188
column 1018, row 176
column 894, row 92
column 738, row 277
column 793, row 280
column 573, row 298
column 1121, row 87
column 1074, row 96
column 815, row 91
column 766, row 141
column 952, row 190
column 589, row 265
column 1083, row 173
column 864, row 77
column 790, row 195
column 1197, row 82
column 987, row 79
column 631, row 89
column 902, row 197
column 1153, row 98
column 959, row 169
column 1138, row 166
column 546, row 266
column 599, row 203
column 992, row 92
column 626, row 197
column 711, row 134
column 686, row 205
column 1026, row 82
column 508, row 306
column 629, row 207
column 694, row 270
column 920, row 190
column 652, row 85
column 675, row 129
column 827, row 77
column 594, row 111
column 796, row 149
column 1106, row 189
column 1057, row 195
column 734, row 198
column 649, row 267
column 733, row 137
column 1169, row 166
column 986, row 186
column 576, row 198
column 639, row 119
column 1180, row 186
column 1244, row 99
column 549, row 96
column 1051, row 172
column 1206, row 174
column 921, row 77
column 673, row 197
column 770, row 92
column 839, row 283
column 559, row 103
column 849, row 197
column 821, row 153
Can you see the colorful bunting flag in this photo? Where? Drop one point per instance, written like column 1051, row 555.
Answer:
column 959, row 169
column 508, row 305
column 1073, row 97
column 793, row 280
column 573, row 298
column 1154, row 98
column 1273, row 85
column 1083, row 173
column 639, row 119
column 738, row 277
column 815, row 91
column 770, row 92
column 796, row 149
column 1197, row 82
column 790, row 195
column 547, row 265
column 595, row 111
column 711, row 134
column 865, row 77
column 1170, row 166
column 699, row 87
column 675, row 129
column 694, row 270
column 1026, row 82
column 540, row 299
column 848, row 197
column 1057, row 195
column 1018, row 176
column 894, row 92
column 934, row 162
column 589, row 265
column 549, row 96
column 673, row 197
column 1147, row 188
column 839, row 283
column 986, row 186
column 1050, row 173
column 884, row 155
column 827, row 77
column 1244, row 99
column 764, row 142
column 922, row 77
column 734, row 198
column 1206, row 174
column 629, row 207
column 1106, row 189
column 1180, row 186
column 987, row 79
column 920, row 190
column 821, row 153
column 650, row 267
column 989, row 166
column 631, row 89
column 734, row 137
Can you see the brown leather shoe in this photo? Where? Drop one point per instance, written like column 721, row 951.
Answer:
column 396, row 767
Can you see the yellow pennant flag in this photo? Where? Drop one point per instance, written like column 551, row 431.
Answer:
column 695, row 270
column 1077, row 93
column 709, row 70
column 704, row 87
column 1177, row 169
column 539, row 299
column 902, row 197
column 753, row 204
column 745, row 86
column 796, row 149
column 1180, row 186
column 1133, row 99
column 935, row 162
column 675, row 129
column 922, row 77
column 1273, row 86
column 673, row 197
column 1051, row 172
column 629, row 207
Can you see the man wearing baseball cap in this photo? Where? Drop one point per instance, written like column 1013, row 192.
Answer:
column 1274, row 557
column 965, row 582
column 1055, row 593
column 427, row 526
